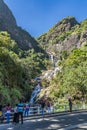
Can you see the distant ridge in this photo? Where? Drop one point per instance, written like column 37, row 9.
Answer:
column 64, row 36
column 8, row 23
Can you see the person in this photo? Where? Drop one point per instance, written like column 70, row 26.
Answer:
column 0, row 112
column 52, row 107
column 26, row 109
column 83, row 103
column 3, row 113
column 8, row 112
column 43, row 106
column 0, row 109
column 20, row 111
column 15, row 117
column 70, row 104
column 48, row 107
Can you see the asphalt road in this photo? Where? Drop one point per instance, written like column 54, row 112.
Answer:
column 74, row 121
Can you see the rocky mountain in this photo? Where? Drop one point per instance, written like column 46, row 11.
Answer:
column 8, row 23
column 64, row 37
column 67, row 43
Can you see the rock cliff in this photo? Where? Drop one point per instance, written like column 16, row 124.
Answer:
column 8, row 23
column 64, row 36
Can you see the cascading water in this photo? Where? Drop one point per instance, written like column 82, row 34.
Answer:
column 34, row 93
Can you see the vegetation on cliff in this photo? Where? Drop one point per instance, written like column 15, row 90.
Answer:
column 71, row 80
column 64, row 36
column 17, row 70
column 22, row 59
column 67, row 40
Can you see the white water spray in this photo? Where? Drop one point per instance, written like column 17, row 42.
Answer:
column 34, row 93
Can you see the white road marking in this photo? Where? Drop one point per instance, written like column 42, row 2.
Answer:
column 83, row 125
column 10, row 128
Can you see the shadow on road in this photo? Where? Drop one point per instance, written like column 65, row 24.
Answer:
column 64, row 122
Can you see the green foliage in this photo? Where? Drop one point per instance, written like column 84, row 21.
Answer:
column 84, row 24
column 10, row 96
column 7, row 42
column 73, row 77
column 78, row 29
column 64, row 54
column 62, row 36
column 17, row 69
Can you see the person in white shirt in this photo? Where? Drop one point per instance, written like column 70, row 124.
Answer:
column 15, row 118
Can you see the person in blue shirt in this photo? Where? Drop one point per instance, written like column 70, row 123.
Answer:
column 20, row 111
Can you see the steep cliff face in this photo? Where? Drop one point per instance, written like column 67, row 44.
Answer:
column 8, row 23
column 64, row 36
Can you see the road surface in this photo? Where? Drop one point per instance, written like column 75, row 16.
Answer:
column 73, row 121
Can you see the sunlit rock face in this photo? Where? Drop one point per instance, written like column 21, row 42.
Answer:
column 64, row 36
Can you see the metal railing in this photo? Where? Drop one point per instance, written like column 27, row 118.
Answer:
column 57, row 108
column 37, row 110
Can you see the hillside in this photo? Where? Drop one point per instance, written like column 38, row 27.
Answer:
column 8, row 23
column 63, row 37
column 21, row 59
column 67, row 41
column 17, row 70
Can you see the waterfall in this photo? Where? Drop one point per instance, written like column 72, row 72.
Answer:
column 34, row 93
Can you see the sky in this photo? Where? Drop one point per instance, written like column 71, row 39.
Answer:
column 38, row 16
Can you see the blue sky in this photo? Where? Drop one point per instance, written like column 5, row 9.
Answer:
column 38, row 16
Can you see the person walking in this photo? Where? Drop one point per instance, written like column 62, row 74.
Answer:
column 20, row 111
column 43, row 106
column 70, row 104
column 8, row 112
